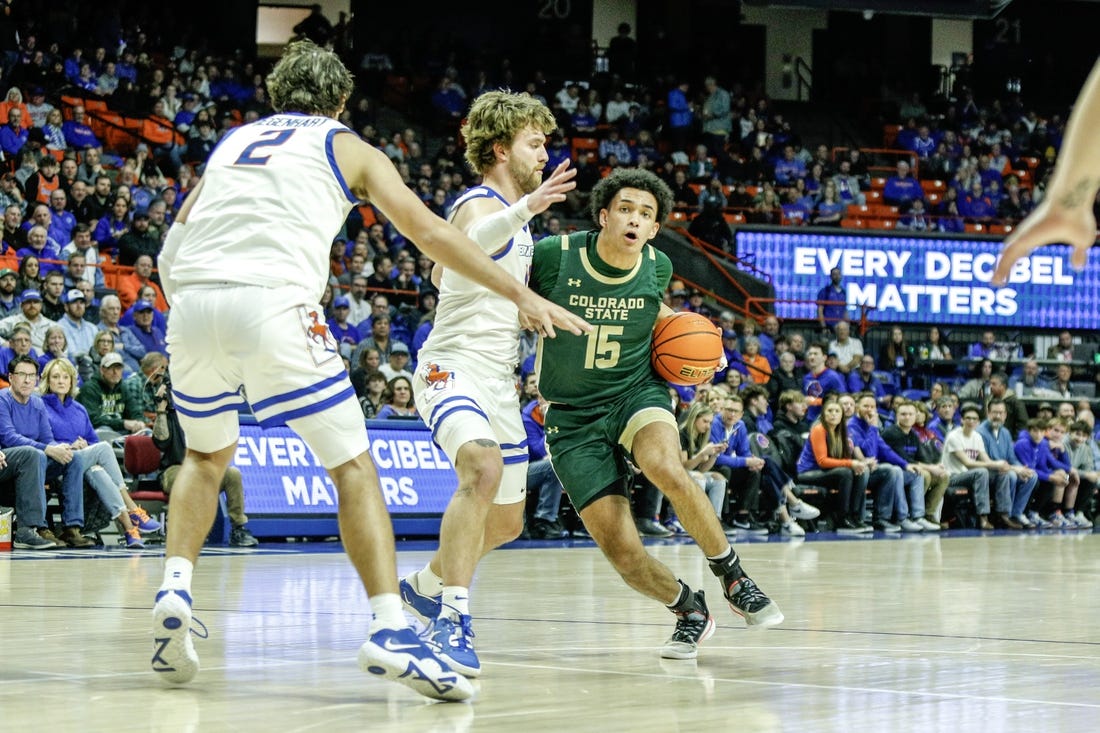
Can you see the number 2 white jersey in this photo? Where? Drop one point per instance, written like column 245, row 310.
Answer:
column 272, row 202
column 470, row 313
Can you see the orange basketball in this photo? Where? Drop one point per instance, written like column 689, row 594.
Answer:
column 686, row 348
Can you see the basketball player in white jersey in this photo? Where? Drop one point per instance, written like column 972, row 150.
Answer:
column 1066, row 212
column 244, row 268
column 465, row 385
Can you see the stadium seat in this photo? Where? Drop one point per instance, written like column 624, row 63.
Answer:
column 933, row 185
column 878, row 183
column 874, row 195
column 585, row 144
column 974, row 227
column 852, row 223
column 733, row 217
column 141, row 458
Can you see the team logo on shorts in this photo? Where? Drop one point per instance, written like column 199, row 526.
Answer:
column 435, row 377
column 321, row 343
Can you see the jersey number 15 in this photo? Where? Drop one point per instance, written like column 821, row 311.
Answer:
column 601, row 352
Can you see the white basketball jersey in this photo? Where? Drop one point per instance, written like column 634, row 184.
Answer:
column 272, row 202
column 468, row 312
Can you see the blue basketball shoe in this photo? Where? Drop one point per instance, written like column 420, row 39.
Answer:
column 425, row 608
column 452, row 640
column 401, row 656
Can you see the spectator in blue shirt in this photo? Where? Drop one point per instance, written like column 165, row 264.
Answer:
column 832, row 301
column 13, row 136
column 902, row 190
column 891, row 477
column 24, row 422
column 1012, row 487
column 77, row 133
column 819, row 380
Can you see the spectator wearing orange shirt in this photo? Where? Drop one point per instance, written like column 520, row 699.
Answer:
column 760, row 370
column 130, row 285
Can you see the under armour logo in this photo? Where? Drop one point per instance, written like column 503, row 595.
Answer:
column 573, row 282
column 552, row 429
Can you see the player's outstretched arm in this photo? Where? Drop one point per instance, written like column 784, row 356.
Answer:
column 370, row 174
column 553, row 189
column 1065, row 214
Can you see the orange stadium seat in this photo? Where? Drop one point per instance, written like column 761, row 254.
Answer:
column 587, row 144
column 934, row 185
column 878, row 183
column 874, row 195
column 974, row 227
column 855, row 223
column 733, row 217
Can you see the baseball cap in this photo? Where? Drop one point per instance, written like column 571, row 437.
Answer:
column 30, row 295
column 110, row 360
column 74, row 294
column 142, row 305
column 341, row 301
column 679, row 293
column 399, row 348
column 727, row 334
column 8, row 271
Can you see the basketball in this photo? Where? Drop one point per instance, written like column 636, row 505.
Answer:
column 686, row 348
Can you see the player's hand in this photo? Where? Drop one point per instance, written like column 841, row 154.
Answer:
column 553, row 189
column 541, row 316
column 1049, row 223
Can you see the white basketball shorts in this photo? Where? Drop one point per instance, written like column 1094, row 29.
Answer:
column 272, row 347
column 461, row 405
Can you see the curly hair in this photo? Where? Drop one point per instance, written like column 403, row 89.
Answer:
column 621, row 178
column 497, row 117
column 310, row 80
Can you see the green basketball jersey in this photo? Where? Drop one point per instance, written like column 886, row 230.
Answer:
column 621, row 305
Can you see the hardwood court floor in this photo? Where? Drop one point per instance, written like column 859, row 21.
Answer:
column 994, row 633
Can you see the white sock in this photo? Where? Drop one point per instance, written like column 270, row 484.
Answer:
column 456, row 601
column 387, row 613
column 427, row 582
column 177, row 574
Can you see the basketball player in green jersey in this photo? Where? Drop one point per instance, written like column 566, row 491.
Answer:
column 607, row 405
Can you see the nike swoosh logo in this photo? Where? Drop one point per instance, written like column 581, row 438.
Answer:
column 391, row 645
column 462, row 598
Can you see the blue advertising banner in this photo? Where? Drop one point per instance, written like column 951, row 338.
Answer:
column 926, row 279
column 283, row 477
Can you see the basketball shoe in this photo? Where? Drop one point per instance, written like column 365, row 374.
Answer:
column 452, row 640
column 744, row 596
column 425, row 608
column 401, row 656
column 174, row 657
column 694, row 625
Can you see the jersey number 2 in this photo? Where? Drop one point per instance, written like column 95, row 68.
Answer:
column 272, row 138
column 601, row 352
